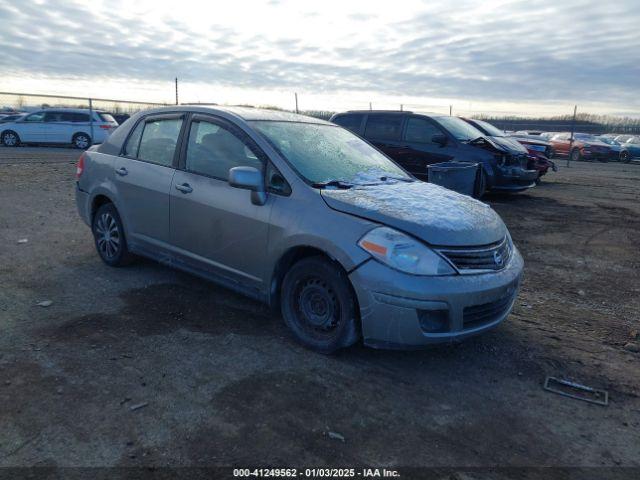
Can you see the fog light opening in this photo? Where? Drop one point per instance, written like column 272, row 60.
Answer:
column 434, row 321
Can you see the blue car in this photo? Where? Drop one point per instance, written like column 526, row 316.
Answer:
column 630, row 149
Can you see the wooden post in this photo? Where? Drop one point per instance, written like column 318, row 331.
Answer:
column 296, row 102
column 176, row 90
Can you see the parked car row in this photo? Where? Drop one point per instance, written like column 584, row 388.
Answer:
column 585, row 146
column 57, row 126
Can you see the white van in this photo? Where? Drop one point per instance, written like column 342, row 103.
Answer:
column 59, row 125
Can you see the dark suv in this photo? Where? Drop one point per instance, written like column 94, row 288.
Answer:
column 416, row 140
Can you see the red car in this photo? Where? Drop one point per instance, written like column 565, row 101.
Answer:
column 540, row 150
column 584, row 147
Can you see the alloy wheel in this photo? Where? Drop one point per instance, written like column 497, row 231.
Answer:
column 82, row 142
column 9, row 139
column 108, row 236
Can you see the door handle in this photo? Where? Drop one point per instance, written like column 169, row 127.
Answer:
column 122, row 171
column 184, row 188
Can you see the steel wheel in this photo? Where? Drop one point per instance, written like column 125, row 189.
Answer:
column 319, row 306
column 108, row 236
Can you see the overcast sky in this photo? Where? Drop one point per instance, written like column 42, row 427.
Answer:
column 520, row 56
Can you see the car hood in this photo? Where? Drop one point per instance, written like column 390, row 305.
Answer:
column 531, row 141
column 508, row 144
column 596, row 143
column 434, row 214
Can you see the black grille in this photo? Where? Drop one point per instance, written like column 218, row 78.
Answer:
column 472, row 259
column 478, row 315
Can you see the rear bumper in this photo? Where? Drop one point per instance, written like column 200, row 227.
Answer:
column 406, row 311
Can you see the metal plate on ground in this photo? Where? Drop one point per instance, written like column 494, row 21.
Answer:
column 577, row 391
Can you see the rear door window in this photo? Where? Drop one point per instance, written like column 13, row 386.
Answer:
column 350, row 122
column 384, row 127
column 420, row 130
column 53, row 117
column 79, row 117
column 159, row 140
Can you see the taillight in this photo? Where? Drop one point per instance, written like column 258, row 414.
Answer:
column 80, row 167
column 105, row 127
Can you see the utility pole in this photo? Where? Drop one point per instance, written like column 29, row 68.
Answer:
column 296, row 102
column 573, row 130
column 370, row 108
column 401, row 107
column 176, row 90
column 450, row 110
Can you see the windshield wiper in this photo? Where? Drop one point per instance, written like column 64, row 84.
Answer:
column 332, row 183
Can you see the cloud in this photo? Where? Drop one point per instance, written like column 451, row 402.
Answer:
column 477, row 51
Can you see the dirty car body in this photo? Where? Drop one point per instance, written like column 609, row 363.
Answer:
column 305, row 216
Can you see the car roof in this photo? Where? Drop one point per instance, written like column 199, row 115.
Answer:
column 244, row 113
column 67, row 110
column 393, row 112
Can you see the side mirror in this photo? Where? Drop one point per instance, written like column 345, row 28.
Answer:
column 440, row 139
column 249, row 178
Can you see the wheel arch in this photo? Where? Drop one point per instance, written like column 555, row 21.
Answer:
column 98, row 201
column 289, row 258
column 7, row 130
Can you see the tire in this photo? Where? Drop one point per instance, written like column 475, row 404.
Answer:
column 81, row 141
column 481, row 184
column 318, row 305
column 109, row 237
column 10, row 138
column 625, row 157
column 575, row 155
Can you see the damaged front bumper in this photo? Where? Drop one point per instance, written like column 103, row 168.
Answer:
column 399, row 310
column 513, row 178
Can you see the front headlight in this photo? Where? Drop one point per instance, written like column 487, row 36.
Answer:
column 403, row 253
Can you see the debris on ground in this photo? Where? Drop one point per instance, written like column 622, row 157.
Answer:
column 23, row 240
column 44, row 303
column 336, row 436
column 575, row 390
column 138, row 406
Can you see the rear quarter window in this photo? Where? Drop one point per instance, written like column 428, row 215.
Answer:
column 384, row 127
column 107, row 117
column 350, row 122
column 131, row 147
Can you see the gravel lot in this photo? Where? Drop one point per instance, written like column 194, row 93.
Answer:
column 219, row 381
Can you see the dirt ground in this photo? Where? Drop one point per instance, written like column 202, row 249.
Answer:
column 219, row 381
